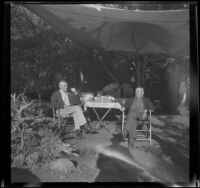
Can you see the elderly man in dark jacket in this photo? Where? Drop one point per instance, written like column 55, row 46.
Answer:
column 137, row 110
column 68, row 103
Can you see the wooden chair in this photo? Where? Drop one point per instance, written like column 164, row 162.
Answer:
column 145, row 135
column 58, row 117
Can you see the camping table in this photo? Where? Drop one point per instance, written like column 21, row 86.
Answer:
column 108, row 105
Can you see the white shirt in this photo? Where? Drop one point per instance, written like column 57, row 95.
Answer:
column 65, row 97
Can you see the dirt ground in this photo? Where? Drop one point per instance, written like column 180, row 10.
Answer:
column 104, row 158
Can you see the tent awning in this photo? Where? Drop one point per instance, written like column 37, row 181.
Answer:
column 144, row 32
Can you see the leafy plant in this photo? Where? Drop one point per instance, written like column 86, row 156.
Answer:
column 33, row 138
column 49, row 146
column 26, row 114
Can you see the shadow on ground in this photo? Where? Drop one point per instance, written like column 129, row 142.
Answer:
column 168, row 162
column 116, row 164
column 173, row 135
column 173, row 152
column 21, row 175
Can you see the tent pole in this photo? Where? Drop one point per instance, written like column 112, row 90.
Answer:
column 138, row 70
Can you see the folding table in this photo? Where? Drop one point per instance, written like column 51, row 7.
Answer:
column 108, row 105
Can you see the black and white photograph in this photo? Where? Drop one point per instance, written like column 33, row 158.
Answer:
column 101, row 92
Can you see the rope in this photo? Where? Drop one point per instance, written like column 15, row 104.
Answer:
column 110, row 74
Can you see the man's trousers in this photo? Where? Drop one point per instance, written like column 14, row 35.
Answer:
column 76, row 112
column 130, row 127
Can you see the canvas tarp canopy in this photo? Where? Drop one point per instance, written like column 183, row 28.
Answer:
column 98, row 27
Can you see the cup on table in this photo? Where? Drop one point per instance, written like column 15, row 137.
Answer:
column 99, row 93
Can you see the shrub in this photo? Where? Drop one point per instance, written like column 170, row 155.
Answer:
column 27, row 118
column 33, row 138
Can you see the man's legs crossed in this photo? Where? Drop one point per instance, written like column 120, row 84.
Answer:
column 77, row 114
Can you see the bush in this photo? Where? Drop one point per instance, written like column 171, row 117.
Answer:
column 34, row 140
column 27, row 121
column 48, row 146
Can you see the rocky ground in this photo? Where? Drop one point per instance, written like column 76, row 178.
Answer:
column 102, row 157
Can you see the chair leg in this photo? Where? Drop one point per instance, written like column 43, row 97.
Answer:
column 54, row 118
column 122, row 121
column 54, row 121
column 150, row 125
column 150, row 132
column 59, row 118
column 59, row 122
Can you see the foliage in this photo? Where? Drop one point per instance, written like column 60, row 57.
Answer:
column 48, row 146
column 26, row 116
column 33, row 138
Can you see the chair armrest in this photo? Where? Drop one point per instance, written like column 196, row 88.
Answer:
column 54, row 110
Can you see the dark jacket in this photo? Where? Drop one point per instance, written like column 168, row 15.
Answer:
column 57, row 101
column 128, row 103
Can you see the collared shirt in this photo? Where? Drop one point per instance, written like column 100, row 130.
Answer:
column 65, row 97
column 138, row 105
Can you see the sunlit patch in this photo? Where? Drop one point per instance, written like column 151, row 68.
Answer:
column 94, row 6
column 151, row 167
column 118, row 155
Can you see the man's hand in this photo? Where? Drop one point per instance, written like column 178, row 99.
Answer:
column 112, row 98
column 66, row 106
column 122, row 109
column 144, row 116
column 74, row 91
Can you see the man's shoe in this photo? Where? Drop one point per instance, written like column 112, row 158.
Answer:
column 87, row 129
column 78, row 132
column 81, row 134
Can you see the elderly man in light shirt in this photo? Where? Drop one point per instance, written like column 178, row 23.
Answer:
column 137, row 107
column 69, row 104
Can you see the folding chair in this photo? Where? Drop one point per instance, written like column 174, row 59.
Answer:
column 142, row 134
column 58, row 117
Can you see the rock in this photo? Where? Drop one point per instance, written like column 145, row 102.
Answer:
column 62, row 177
column 62, row 165
column 18, row 160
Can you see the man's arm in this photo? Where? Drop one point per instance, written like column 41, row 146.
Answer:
column 55, row 101
column 149, row 104
column 128, row 102
column 124, row 102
